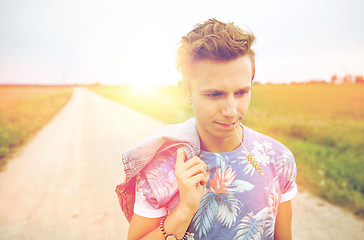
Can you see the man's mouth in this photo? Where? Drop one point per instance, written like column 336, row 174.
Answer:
column 232, row 124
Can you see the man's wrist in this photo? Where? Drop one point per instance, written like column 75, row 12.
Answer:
column 184, row 213
column 176, row 224
column 169, row 236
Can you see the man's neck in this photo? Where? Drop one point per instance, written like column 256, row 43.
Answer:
column 216, row 144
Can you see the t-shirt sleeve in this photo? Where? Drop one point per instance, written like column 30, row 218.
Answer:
column 156, row 185
column 143, row 208
column 287, row 172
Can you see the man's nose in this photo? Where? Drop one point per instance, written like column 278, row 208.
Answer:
column 229, row 109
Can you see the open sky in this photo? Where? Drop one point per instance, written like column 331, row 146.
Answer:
column 117, row 41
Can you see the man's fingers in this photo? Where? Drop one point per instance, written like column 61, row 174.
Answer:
column 197, row 169
column 199, row 179
column 181, row 157
column 195, row 161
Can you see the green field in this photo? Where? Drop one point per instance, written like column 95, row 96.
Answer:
column 322, row 124
column 24, row 110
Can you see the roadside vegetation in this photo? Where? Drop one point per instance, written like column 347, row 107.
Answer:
column 24, row 110
column 322, row 124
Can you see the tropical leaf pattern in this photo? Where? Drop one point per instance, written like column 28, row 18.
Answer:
column 249, row 228
column 160, row 184
column 240, row 186
column 237, row 203
column 228, row 209
column 157, row 182
column 219, row 202
column 256, row 226
column 269, row 224
column 263, row 152
column 286, row 165
column 205, row 214
column 274, row 197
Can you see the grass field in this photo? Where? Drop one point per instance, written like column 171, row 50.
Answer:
column 24, row 110
column 322, row 124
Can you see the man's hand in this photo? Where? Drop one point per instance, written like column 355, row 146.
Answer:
column 191, row 180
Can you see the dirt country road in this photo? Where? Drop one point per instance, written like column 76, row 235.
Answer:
column 61, row 184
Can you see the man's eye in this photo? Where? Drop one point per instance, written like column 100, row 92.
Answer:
column 214, row 95
column 241, row 93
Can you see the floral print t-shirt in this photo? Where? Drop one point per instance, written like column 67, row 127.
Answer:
column 238, row 202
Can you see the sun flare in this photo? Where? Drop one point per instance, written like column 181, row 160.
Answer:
column 144, row 89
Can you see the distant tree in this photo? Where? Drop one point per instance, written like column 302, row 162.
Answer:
column 334, row 79
column 359, row 79
column 317, row 82
column 257, row 83
column 348, row 78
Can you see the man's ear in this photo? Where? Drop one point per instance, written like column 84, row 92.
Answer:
column 185, row 91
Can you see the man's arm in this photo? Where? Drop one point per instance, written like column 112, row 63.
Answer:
column 148, row 228
column 282, row 229
column 191, row 180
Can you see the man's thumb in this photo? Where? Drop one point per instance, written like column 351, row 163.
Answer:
column 181, row 156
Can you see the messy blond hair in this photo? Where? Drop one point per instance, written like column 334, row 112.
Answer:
column 214, row 40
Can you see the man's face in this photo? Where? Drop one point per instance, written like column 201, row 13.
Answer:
column 220, row 96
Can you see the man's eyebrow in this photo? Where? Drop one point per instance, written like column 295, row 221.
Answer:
column 211, row 90
column 247, row 88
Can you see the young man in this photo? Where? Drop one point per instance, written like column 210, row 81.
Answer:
column 211, row 177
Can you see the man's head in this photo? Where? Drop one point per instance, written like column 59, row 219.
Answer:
column 217, row 65
column 214, row 40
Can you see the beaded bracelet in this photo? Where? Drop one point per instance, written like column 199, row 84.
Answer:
column 169, row 236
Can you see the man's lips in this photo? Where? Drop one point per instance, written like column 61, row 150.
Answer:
column 232, row 124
